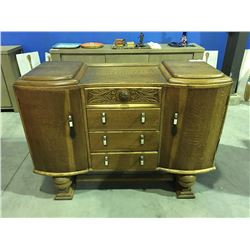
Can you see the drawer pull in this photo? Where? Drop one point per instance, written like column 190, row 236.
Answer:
column 141, row 160
column 143, row 118
column 71, row 126
column 142, row 140
column 104, row 140
column 174, row 125
column 104, row 118
column 106, row 161
column 124, row 95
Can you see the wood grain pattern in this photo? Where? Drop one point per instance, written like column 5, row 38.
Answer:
column 124, row 161
column 115, row 141
column 113, row 95
column 199, row 128
column 123, row 74
column 184, row 184
column 44, row 113
column 123, row 119
column 124, row 103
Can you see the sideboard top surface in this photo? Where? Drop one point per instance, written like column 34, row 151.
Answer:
column 192, row 70
column 123, row 74
column 107, row 49
column 189, row 74
column 52, row 71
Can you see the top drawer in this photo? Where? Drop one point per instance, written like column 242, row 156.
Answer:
column 117, row 96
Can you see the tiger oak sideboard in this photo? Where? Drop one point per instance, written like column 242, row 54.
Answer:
column 123, row 118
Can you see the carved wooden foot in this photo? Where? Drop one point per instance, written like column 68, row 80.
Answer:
column 64, row 187
column 183, row 186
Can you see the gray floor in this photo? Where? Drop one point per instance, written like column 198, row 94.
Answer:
column 222, row 193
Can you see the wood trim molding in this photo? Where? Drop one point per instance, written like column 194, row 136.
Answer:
column 177, row 171
column 60, row 174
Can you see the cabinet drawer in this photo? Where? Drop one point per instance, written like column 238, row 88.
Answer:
column 124, row 161
column 84, row 58
column 126, row 58
column 170, row 57
column 123, row 119
column 102, row 96
column 124, row 141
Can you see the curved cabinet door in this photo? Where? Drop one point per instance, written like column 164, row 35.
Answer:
column 55, row 147
column 191, row 127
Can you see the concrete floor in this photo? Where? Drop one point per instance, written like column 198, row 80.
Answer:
column 222, row 193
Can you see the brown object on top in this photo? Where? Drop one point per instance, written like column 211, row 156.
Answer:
column 54, row 73
column 193, row 73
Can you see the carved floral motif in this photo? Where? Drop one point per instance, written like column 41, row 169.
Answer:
column 113, row 96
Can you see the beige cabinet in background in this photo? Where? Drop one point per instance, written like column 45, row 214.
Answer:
column 9, row 74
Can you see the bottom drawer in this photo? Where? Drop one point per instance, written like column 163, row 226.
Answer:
column 124, row 161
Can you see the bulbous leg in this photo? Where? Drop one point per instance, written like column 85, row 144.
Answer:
column 183, row 186
column 64, row 187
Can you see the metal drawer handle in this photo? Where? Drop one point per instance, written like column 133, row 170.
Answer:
column 141, row 160
column 104, row 140
column 143, row 118
column 104, row 118
column 142, row 140
column 106, row 161
column 71, row 126
column 175, row 122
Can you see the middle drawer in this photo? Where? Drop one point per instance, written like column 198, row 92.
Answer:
column 123, row 119
column 124, row 141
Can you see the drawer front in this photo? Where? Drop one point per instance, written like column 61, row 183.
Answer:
column 124, row 161
column 114, row 141
column 126, row 58
column 170, row 57
column 84, row 58
column 102, row 96
column 123, row 119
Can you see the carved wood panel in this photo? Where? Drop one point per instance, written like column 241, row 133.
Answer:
column 123, row 95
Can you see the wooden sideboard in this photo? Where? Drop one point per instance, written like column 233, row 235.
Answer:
column 123, row 118
column 9, row 74
column 108, row 55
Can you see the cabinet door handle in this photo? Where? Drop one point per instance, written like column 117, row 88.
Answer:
column 142, row 139
column 106, row 161
column 143, row 117
column 174, row 124
column 104, row 140
column 71, row 126
column 104, row 118
column 141, row 159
